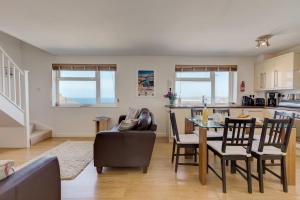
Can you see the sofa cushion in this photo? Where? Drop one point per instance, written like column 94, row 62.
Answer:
column 144, row 120
column 132, row 113
column 6, row 168
column 127, row 124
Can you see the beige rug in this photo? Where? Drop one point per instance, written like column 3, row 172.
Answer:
column 73, row 157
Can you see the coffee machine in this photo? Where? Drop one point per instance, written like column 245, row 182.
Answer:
column 273, row 98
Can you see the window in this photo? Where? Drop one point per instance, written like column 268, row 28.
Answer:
column 81, row 87
column 217, row 87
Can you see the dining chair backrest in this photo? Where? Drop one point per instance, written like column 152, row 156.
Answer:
column 196, row 111
column 223, row 111
column 242, row 131
column 283, row 115
column 276, row 132
column 174, row 126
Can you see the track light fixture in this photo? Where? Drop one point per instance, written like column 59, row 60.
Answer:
column 263, row 41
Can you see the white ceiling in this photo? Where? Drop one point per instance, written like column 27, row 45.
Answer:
column 152, row 27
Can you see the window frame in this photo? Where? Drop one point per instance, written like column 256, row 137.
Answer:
column 213, row 84
column 56, row 78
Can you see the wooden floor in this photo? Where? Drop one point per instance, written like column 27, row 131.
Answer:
column 159, row 183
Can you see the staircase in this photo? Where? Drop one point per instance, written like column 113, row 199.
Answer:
column 15, row 129
column 39, row 133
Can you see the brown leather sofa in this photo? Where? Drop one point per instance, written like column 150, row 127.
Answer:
column 39, row 180
column 131, row 148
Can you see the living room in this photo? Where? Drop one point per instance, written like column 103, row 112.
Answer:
column 57, row 45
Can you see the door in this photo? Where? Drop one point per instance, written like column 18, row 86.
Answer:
column 283, row 71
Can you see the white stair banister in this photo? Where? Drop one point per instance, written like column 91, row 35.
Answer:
column 12, row 85
column 3, row 73
column 27, row 117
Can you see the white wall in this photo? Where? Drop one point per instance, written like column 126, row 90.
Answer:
column 12, row 46
column 78, row 121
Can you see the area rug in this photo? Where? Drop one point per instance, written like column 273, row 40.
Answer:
column 73, row 157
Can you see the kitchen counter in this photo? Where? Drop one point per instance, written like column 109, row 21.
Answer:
column 210, row 106
column 186, row 106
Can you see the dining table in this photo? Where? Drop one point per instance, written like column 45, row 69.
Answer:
column 190, row 123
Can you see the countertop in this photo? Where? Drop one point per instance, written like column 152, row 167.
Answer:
column 210, row 106
column 186, row 106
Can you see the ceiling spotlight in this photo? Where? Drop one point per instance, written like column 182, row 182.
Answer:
column 263, row 41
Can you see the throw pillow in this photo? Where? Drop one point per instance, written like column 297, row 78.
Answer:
column 132, row 113
column 6, row 168
column 144, row 120
column 126, row 125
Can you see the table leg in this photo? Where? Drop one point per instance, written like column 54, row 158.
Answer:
column 188, row 129
column 291, row 159
column 203, row 155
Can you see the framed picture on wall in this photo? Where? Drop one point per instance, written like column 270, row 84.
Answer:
column 146, row 83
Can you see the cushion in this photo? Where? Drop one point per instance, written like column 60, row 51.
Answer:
column 144, row 120
column 267, row 150
column 230, row 150
column 6, row 168
column 127, row 124
column 188, row 139
column 132, row 113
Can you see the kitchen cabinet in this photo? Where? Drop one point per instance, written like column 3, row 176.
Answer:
column 282, row 72
column 254, row 112
column 263, row 75
column 278, row 73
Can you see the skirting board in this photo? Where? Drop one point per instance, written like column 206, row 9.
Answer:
column 59, row 134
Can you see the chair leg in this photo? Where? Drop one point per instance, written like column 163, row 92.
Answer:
column 145, row 170
column 195, row 155
column 283, row 174
column 173, row 150
column 260, row 174
column 177, row 158
column 232, row 167
column 264, row 166
column 223, row 165
column 227, row 162
column 249, row 178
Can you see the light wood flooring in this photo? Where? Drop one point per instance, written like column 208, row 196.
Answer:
column 159, row 183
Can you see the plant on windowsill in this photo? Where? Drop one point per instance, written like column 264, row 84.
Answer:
column 171, row 96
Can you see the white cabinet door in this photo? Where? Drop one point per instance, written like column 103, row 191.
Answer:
column 256, row 113
column 268, row 70
column 269, row 113
column 283, row 71
column 263, row 75
column 235, row 112
column 258, row 76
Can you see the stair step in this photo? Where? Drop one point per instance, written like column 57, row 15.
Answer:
column 40, row 135
column 32, row 128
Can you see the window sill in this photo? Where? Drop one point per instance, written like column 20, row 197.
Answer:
column 88, row 106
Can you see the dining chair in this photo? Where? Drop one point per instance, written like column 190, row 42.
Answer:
column 283, row 115
column 273, row 145
column 183, row 141
column 234, row 148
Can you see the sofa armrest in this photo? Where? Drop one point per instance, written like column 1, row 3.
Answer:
column 121, row 118
column 36, row 181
